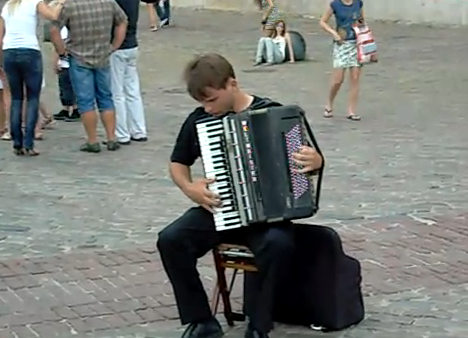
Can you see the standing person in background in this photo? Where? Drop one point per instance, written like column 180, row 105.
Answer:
column 163, row 9
column 90, row 24
column 125, row 82
column 69, row 111
column 151, row 8
column 347, row 13
column 22, row 60
column 271, row 15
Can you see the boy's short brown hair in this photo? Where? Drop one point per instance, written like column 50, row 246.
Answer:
column 207, row 71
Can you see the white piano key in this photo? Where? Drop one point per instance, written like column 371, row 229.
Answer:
column 215, row 164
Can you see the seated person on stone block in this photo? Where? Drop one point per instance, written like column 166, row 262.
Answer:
column 273, row 49
column 212, row 82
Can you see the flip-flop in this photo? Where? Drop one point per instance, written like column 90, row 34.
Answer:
column 328, row 113
column 6, row 136
column 31, row 152
column 353, row 117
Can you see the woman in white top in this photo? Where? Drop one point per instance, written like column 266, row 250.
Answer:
column 22, row 61
column 273, row 49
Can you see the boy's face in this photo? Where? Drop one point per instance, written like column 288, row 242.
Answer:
column 218, row 102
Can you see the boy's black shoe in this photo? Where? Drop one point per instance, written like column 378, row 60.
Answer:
column 75, row 116
column 206, row 329
column 61, row 115
column 251, row 332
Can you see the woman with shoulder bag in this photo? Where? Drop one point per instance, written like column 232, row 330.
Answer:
column 345, row 56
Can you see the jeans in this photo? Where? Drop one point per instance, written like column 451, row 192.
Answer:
column 67, row 96
column 163, row 12
column 125, row 85
column 91, row 86
column 267, row 49
column 23, row 67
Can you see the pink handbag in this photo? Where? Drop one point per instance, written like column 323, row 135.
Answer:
column 366, row 46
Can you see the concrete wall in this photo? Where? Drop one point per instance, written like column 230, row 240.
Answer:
column 451, row 12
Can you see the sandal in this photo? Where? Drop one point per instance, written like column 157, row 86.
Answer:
column 113, row 146
column 91, row 148
column 31, row 152
column 6, row 136
column 353, row 117
column 48, row 123
column 328, row 113
column 153, row 28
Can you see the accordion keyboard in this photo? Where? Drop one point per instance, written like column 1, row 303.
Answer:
column 216, row 165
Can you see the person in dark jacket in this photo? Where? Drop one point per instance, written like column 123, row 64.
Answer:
column 211, row 81
column 125, row 82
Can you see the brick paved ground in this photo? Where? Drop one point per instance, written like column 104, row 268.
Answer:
column 77, row 231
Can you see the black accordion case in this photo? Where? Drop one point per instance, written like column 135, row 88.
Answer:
column 324, row 287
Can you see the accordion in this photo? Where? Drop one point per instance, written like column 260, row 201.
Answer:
column 249, row 155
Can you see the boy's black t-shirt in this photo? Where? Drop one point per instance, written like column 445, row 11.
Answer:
column 186, row 149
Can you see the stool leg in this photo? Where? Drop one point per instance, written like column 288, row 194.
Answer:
column 233, row 279
column 222, row 284
column 215, row 299
column 237, row 317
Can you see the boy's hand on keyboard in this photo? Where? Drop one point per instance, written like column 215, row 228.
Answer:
column 199, row 193
column 307, row 158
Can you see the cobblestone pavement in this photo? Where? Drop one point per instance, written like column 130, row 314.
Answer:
column 77, row 231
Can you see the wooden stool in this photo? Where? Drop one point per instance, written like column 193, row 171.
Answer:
column 230, row 256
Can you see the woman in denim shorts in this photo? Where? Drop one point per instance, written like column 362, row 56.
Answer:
column 271, row 15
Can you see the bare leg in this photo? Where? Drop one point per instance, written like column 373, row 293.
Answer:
column 44, row 112
column 354, row 73
column 7, row 104
column 108, row 120
column 337, row 81
column 152, row 17
column 38, row 131
column 47, row 119
column 89, row 120
column 268, row 32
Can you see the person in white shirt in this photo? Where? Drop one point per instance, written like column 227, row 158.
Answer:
column 273, row 49
column 22, row 61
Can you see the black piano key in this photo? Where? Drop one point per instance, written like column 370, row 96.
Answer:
column 227, row 219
